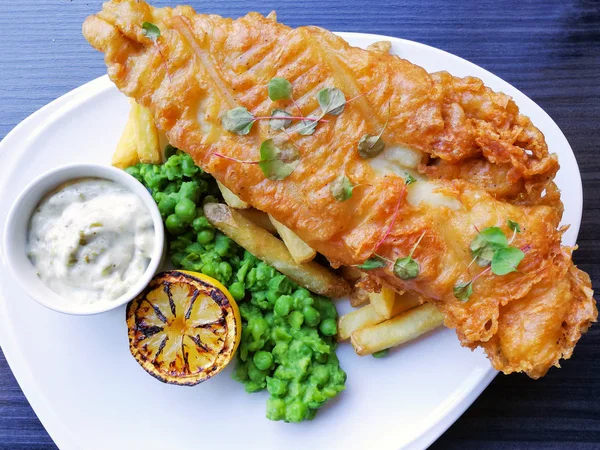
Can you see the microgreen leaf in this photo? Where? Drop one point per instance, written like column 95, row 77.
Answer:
column 489, row 238
column 308, row 127
column 406, row 268
column 506, row 260
column 280, row 124
column 463, row 291
column 341, row 188
column 275, row 163
column 409, row 179
column 151, row 31
column 331, row 101
column 514, row 226
column 279, row 89
column 370, row 146
column 238, row 120
column 372, row 263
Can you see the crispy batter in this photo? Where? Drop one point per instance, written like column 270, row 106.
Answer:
column 482, row 152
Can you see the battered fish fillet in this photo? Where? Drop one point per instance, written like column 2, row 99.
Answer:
column 479, row 163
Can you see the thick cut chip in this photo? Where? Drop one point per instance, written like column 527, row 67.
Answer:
column 183, row 328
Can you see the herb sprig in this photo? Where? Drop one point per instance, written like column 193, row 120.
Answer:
column 275, row 163
column 491, row 249
column 405, row 268
column 239, row 120
column 370, row 146
column 152, row 32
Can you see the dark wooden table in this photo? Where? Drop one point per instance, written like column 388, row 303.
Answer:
column 550, row 50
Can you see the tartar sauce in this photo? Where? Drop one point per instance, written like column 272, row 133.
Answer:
column 90, row 240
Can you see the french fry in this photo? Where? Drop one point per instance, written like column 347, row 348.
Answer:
column 125, row 154
column 357, row 320
column 405, row 301
column 146, row 136
column 271, row 250
column 403, row 328
column 383, row 302
column 367, row 316
column 358, row 297
column 231, row 199
column 300, row 250
column 259, row 218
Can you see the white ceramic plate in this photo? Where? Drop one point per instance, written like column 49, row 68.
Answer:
column 90, row 393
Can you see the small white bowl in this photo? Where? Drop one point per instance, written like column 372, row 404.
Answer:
column 17, row 226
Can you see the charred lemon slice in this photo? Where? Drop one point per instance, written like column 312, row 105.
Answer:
column 184, row 327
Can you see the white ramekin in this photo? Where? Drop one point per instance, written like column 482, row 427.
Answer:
column 17, row 226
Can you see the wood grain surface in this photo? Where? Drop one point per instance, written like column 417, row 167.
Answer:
column 550, row 50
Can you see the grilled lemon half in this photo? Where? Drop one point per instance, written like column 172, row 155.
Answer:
column 184, row 327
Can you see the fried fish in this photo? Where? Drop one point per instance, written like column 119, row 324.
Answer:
column 477, row 162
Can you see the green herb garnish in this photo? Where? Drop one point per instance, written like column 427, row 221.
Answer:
column 506, row 260
column 372, row 263
column 486, row 243
column 407, row 268
column 279, row 89
column 151, row 31
column 238, row 120
column 275, row 163
column 514, row 226
column 409, row 179
column 341, row 188
column 280, row 119
column 370, row 146
column 331, row 100
column 463, row 291
column 491, row 248
column 381, row 354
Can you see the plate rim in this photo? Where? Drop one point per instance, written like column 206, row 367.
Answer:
column 57, row 430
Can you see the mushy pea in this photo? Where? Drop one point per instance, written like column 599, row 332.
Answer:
column 288, row 344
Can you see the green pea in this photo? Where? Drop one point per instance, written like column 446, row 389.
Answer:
column 275, row 408
column 321, row 358
column 381, row 354
column 205, row 236
column 263, row 360
column 296, row 319
column 273, row 296
column 320, row 375
column 189, row 190
column 240, row 372
column 174, row 225
column 134, row 171
column 210, row 199
column 186, row 210
column 280, row 334
column 296, row 411
column 166, row 205
column 255, row 374
column 311, row 316
column 301, row 294
column 201, row 223
column 222, row 244
column 209, row 269
column 276, row 387
column 328, row 327
column 225, row 270
column 176, row 259
column 237, row 291
column 188, row 167
column 283, row 305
